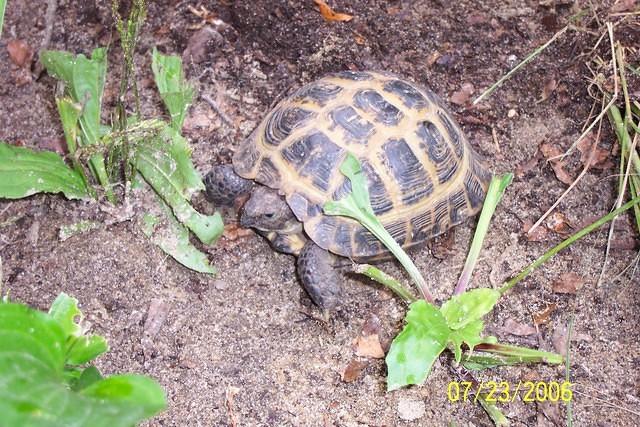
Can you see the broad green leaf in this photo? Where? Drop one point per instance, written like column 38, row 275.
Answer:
column 84, row 80
column 79, row 348
column 469, row 306
column 470, row 335
column 180, row 151
column 173, row 238
column 24, row 172
column 175, row 91
column 85, row 378
column 33, row 390
column 416, row 348
column 172, row 176
column 86, row 348
column 65, row 311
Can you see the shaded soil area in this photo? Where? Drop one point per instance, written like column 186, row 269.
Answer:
column 246, row 347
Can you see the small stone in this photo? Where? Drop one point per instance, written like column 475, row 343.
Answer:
column 220, row 285
column 512, row 113
column 409, row 410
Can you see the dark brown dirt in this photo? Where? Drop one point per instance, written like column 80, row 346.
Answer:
column 245, row 345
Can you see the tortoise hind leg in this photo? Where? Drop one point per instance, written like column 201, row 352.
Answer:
column 316, row 268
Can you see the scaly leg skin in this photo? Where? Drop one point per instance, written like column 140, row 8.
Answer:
column 224, row 186
column 316, row 268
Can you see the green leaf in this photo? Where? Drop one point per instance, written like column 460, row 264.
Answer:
column 497, row 186
column 171, row 174
column 175, row 91
column 87, row 377
column 33, row 390
column 69, row 115
column 3, row 4
column 469, row 306
column 86, row 348
column 493, row 354
column 79, row 348
column 24, row 172
column 416, row 348
column 64, row 310
column 173, row 239
column 469, row 335
column 84, row 81
column 357, row 205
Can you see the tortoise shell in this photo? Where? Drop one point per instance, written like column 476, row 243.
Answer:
column 422, row 174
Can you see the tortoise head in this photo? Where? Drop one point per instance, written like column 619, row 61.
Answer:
column 267, row 211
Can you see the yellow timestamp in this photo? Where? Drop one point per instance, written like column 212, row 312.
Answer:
column 502, row 391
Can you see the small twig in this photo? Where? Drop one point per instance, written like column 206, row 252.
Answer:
column 217, row 109
column 520, row 65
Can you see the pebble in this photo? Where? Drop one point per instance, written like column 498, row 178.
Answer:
column 512, row 113
column 409, row 410
column 220, row 285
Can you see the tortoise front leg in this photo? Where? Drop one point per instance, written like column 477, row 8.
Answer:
column 224, row 187
column 316, row 268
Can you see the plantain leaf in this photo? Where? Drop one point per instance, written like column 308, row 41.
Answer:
column 24, row 172
column 35, row 391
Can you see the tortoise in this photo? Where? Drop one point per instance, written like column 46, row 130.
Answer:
column 423, row 176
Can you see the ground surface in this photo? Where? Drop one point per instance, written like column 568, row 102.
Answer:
column 244, row 347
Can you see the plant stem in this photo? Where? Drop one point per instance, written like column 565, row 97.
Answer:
column 386, row 280
column 383, row 235
column 567, row 242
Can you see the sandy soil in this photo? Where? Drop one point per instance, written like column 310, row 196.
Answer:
column 245, row 348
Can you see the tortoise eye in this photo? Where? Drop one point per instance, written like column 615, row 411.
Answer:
column 269, row 215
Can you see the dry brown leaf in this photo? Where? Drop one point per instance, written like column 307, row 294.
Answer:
column 538, row 235
column 516, row 328
column 461, row 97
column 233, row 231
column 549, row 150
column 600, row 156
column 359, row 38
column 543, row 316
column 623, row 6
column 352, row 371
column 20, row 52
column 567, row 283
column 328, row 13
column 369, row 346
column 559, row 339
column 550, row 85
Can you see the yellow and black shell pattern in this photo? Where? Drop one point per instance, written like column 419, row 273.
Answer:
column 422, row 174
